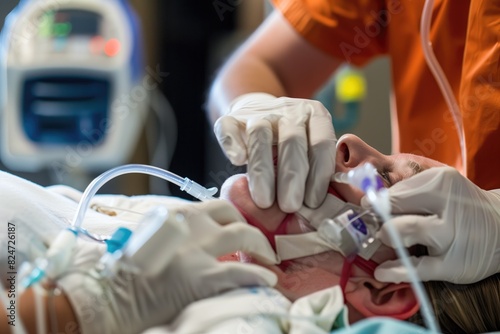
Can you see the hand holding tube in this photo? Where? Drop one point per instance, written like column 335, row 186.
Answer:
column 457, row 221
column 302, row 130
column 130, row 302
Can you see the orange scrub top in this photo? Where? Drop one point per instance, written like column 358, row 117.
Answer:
column 465, row 38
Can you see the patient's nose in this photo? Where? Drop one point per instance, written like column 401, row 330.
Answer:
column 352, row 151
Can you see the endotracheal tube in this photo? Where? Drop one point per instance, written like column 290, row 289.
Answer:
column 59, row 254
column 366, row 178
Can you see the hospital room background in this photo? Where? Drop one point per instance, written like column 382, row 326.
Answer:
column 179, row 45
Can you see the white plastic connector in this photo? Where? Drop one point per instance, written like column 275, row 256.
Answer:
column 364, row 177
column 197, row 190
column 351, row 234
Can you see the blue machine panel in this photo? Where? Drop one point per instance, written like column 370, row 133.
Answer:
column 65, row 109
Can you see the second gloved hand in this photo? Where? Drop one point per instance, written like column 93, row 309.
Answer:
column 457, row 221
column 305, row 138
column 130, row 302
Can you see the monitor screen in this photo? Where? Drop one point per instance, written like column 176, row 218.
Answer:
column 70, row 22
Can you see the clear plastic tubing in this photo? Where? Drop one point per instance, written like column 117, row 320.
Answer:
column 425, row 305
column 444, row 85
column 185, row 184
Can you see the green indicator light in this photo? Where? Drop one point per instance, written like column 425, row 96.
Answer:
column 62, row 29
column 46, row 25
column 67, row 27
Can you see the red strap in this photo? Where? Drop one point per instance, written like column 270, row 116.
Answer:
column 333, row 192
column 345, row 275
column 284, row 224
column 368, row 266
column 269, row 235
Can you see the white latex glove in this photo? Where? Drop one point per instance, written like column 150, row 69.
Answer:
column 457, row 221
column 132, row 302
column 302, row 130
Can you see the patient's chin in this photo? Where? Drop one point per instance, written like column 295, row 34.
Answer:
column 232, row 186
column 235, row 189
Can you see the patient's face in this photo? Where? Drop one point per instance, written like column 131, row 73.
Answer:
column 305, row 275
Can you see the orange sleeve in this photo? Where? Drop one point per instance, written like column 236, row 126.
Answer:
column 350, row 30
column 480, row 94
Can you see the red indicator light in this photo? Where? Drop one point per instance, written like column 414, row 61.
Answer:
column 96, row 44
column 112, row 47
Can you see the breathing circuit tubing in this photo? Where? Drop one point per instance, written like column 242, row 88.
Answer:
column 440, row 77
column 425, row 305
column 187, row 185
column 365, row 178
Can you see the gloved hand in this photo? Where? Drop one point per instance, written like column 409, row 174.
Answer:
column 306, row 140
column 131, row 302
column 457, row 221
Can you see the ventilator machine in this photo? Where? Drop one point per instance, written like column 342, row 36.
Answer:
column 71, row 85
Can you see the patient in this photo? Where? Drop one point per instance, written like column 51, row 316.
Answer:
column 459, row 309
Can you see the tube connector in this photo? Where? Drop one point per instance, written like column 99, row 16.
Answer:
column 352, row 233
column 197, row 190
column 366, row 178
